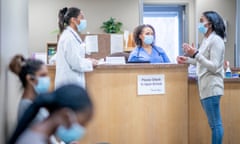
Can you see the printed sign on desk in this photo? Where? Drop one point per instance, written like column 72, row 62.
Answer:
column 151, row 84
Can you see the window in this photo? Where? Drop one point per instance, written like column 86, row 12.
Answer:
column 168, row 22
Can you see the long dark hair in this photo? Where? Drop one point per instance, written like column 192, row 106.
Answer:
column 22, row 67
column 69, row 96
column 138, row 30
column 217, row 22
column 65, row 15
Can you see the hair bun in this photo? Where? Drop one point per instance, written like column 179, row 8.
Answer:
column 16, row 64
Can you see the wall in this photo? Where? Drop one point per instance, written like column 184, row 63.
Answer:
column 43, row 17
column 14, row 39
column 227, row 9
column 1, row 79
column 237, row 34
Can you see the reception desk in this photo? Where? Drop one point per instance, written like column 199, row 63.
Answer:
column 123, row 117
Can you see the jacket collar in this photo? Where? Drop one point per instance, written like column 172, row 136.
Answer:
column 75, row 34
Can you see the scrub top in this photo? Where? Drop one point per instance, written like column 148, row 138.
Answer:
column 158, row 55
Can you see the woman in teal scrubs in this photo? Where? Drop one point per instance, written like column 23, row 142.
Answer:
column 146, row 50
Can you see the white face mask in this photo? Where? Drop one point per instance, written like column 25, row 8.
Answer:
column 148, row 39
column 83, row 25
column 201, row 28
column 43, row 84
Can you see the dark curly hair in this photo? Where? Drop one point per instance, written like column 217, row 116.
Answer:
column 138, row 30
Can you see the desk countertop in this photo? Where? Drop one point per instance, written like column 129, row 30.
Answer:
column 228, row 80
column 151, row 66
column 137, row 66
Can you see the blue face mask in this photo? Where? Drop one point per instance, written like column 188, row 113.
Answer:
column 82, row 26
column 74, row 133
column 43, row 85
column 148, row 39
column 202, row 29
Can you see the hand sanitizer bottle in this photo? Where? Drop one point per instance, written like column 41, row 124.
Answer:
column 228, row 72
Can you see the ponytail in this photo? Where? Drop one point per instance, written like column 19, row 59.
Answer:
column 28, row 116
column 65, row 15
column 61, row 17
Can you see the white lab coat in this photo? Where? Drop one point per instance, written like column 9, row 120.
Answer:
column 70, row 60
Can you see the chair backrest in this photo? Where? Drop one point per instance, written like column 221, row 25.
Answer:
column 120, row 54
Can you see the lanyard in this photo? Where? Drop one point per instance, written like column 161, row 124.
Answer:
column 76, row 37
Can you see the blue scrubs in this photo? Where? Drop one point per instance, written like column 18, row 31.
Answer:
column 158, row 55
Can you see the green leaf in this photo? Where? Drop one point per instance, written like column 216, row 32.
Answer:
column 56, row 31
column 111, row 26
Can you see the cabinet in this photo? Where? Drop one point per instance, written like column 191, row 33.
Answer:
column 51, row 50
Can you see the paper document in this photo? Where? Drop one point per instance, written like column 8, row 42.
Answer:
column 125, row 35
column 115, row 60
column 116, row 43
column 91, row 42
column 151, row 84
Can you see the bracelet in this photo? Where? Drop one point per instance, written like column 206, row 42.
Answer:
column 194, row 55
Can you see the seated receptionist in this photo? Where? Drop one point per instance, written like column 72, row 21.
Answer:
column 146, row 50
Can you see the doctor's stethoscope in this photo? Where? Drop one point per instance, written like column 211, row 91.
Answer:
column 76, row 37
column 138, row 52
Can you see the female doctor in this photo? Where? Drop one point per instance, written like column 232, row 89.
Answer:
column 70, row 57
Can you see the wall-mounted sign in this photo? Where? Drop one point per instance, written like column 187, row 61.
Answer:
column 151, row 84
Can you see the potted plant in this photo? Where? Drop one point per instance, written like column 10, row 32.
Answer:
column 111, row 26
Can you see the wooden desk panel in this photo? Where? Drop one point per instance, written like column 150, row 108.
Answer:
column 122, row 117
column 199, row 131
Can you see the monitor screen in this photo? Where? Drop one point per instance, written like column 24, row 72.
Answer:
column 138, row 62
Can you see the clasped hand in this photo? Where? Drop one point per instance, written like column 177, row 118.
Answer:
column 189, row 50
